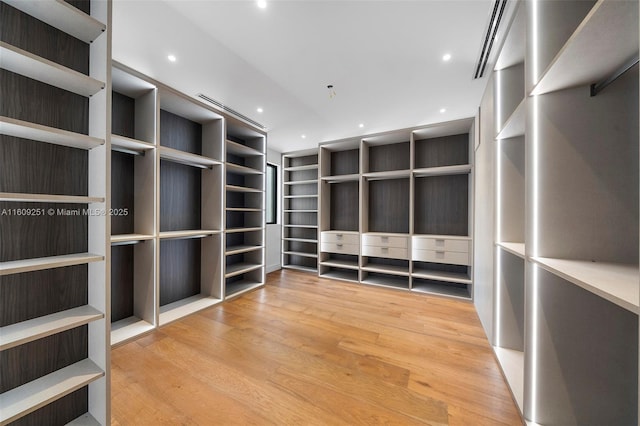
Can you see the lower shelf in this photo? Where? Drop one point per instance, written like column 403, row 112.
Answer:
column 386, row 280
column 181, row 308
column 128, row 328
column 300, row 268
column 341, row 274
column 453, row 277
column 512, row 365
column 84, row 420
column 236, row 288
column 441, row 288
column 338, row 263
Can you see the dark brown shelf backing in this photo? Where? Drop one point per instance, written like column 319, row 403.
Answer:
column 244, row 219
column 300, row 246
column 59, row 412
column 180, row 192
column 254, row 143
column 302, row 218
column 24, row 363
column 179, row 133
column 303, row 189
column 344, row 214
column 180, row 262
column 122, row 282
column 306, row 233
column 443, row 151
column 301, row 204
column 389, row 205
column 123, row 115
column 58, row 289
column 384, row 158
column 122, row 192
column 27, row 166
column 247, row 181
column 25, row 237
column 382, row 261
column 302, row 161
column 28, row 33
column 442, row 205
column 345, row 162
column 441, row 267
column 302, row 175
column 303, row 261
column 244, row 200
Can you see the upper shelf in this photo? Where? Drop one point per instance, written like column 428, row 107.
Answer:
column 443, row 170
column 242, row 170
column 29, row 65
column 48, row 198
column 187, row 158
column 241, row 150
column 514, row 125
column 40, row 133
column 129, row 144
column 517, row 249
column 40, row 263
column 302, row 182
column 391, row 174
column 605, row 40
column 616, row 283
column 63, row 16
column 236, row 188
column 341, row 178
column 301, row 168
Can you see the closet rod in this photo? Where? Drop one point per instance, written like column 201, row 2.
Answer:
column 599, row 87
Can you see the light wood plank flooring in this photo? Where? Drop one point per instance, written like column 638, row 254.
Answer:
column 310, row 351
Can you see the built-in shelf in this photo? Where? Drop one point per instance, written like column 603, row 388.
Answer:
column 240, row 249
column 196, row 233
column 128, row 144
column 302, row 182
column 301, row 240
column 187, row 158
column 336, row 263
column 242, row 209
column 301, row 168
column 387, row 281
column 236, row 288
column 301, row 211
column 40, row 263
column 444, row 170
column 176, row 310
column 341, row 178
column 453, row 277
column 391, row 174
column 387, row 269
column 29, row 65
column 439, row 288
column 27, row 398
column 240, row 268
column 242, row 170
column 236, row 230
column 300, row 253
column 128, row 328
column 512, row 365
column 301, row 226
column 588, row 57
column 241, row 150
column 516, row 249
column 514, row 126
column 300, row 268
column 614, row 282
column 301, row 196
column 51, row 198
column 37, row 132
column 342, row 275
column 84, row 420
column 236, row 188
column 129, row 238
column 37, row 328
column 63, row 16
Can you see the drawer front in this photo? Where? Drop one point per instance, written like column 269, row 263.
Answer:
column 339, row 237
column 389, row 252
column 441, row 244
column 339, row 248
column 384, row 241
column 437, row 256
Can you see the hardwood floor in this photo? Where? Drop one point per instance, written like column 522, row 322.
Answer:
column 310, row 351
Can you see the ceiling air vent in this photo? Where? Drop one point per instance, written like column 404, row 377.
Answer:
column 490, row 36
column 230, row 111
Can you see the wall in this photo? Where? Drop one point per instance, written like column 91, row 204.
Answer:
column 274, row 232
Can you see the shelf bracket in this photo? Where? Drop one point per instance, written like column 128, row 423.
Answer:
column 600, row 86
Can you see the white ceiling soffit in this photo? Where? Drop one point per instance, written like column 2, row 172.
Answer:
column 384, row 59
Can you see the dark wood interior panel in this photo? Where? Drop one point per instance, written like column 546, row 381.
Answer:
column 24, row 363
column 25, row 237
column 308, row 262
column 301, row 204
column 302, row 161
column 41, row 168
column 122, row 283
column 345, row 162
column 59, row 412
column 306, row 233
column 179, row 133
column 83, row 5
column 372, row 261
column 302, row 218
column 384, row 158
column 34, row 294
column 303, row 175
column 305, row 189
column 443, row 151
column 389, row 205
column 123, row 115
column 442, row 267
column 442, row 205
column 180, row 189
column 122, row 192
column 179, row 269
column 301, row 247
column 28, row 33
column 344, row 210
column 47, row 105
column 243, row 219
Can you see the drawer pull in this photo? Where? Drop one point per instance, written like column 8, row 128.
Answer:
column 339, row 244
column 338, row 236
column 440, row 251
column 384, row 238
column 384, row 249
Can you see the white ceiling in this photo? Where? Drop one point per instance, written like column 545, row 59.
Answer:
column 383, row 57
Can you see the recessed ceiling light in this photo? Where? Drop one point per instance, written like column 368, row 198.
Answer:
column 303, row 136
column 260, row 110
column 443, row 110
column 262, row 4
column 446, row 57
column 361, row 125
column 172, row 58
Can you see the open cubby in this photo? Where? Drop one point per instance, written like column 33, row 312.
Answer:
column 180, row 196
column 442, row 205
column 241, row 283
column 383, row 158
column 292, row 177
column 238, row 220
column 444, row 288
column 510, row 294
column 335, row 273
column 300, row 261
column 385, row 280
column 388, row 206
column 310, row 188
column 300, row 233
column 344, row 211
column 254, row 162
column 180, row 265
column 442, row 271
column 301, row 160
column 344, row 162
column 392, row 266
column 442, row 151
column 243, row 240
column 301, row 218
column 180, row 133
column 244, row 200
column 300, row 204
column 511, row 187
column 245, row 181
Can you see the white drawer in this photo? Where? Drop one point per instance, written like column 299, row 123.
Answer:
column 339, row 237
column 339, row 248
column 441, row 244
column 439, row 256
column 390, row 252
column 385, row 241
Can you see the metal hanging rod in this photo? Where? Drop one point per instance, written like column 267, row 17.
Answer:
column 600, row 86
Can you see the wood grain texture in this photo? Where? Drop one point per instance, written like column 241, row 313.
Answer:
column 344, row 209
column 389, row 205
column 305, row 350
column 59, row 412
column 121, row 282
column 308, row 234
column 179, row 133
column 122, row 192
column 443, row 151
column 123, row 115
column 180, row 197
column 58, row 289
column 302, row 161
column 179, row 269
column 345, row 162
column 442, row 205
column 383, row 158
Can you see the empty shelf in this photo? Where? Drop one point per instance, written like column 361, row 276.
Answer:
column 301, row 240
column 240, row 268
column 122, row 142
column 236, row 148
column 302, row 196
column 37, row 328
column 442, row 289
column 240, row 249
column 238, row 287
column 387, row 269
column 236, row 188
column 299, row 267
column 128, row 328
column 301, row 253
column 514, row 126
column 516, row 249
column 29, row 397
column 181, row 308
column 63, row 16
column 235, row 230
column 341, row 178
column 242, row 209
column 187, row 158
column 50, row 198
column 335, row 263
column 195, row 233
column 300, row 226
column 452, row 277
column 391, row 282
column 461, row 169
column 341, row 275
column 40, row 263
column 300, row 211
column 29, row 65
column 512, row 365
column 301, row 168
column 302, row 182
column 242, row 170
column 40, row 133
column 392, row 174
column 588, row 57
column 84, row 420
column 129, row 238
column 616, row 283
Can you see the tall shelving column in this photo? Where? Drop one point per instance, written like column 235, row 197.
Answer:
column 133, row 203
column 300, row 210
column 340, row 210
column 245, row 208
column 581, row 346
column 54, row 350
column 190, row 174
